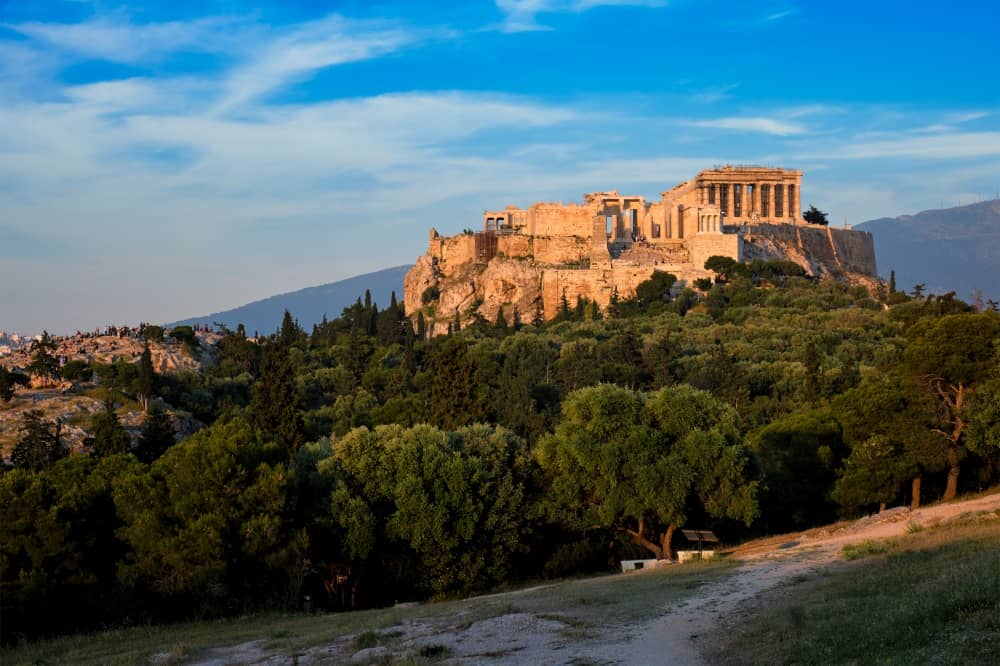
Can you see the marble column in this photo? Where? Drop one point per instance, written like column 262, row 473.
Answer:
column 797, row 209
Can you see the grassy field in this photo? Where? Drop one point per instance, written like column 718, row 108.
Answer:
column 583, row 605
column 929, row 597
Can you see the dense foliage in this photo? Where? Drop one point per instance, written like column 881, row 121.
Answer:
column 365, row 462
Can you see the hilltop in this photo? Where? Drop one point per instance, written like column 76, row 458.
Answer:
column 951, row 249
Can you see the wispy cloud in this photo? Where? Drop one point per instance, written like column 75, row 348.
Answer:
column 312, row 47
column 775, row 126
column 949, row 145
column 119, row 40
column 777, row 16
column 522, row 15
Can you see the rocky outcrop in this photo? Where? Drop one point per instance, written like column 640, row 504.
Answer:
column 448, row 282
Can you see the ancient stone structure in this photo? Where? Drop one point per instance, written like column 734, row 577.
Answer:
column 526, row 258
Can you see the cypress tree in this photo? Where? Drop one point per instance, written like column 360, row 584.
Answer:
column 156, row 437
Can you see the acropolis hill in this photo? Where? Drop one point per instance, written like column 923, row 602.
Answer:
column 611, row 242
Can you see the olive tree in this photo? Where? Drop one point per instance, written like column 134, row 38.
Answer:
column 639, row 463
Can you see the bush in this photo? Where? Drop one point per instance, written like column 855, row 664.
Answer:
column 76, row 371
column 430, row 294
column 153, row 333
column 184, row 334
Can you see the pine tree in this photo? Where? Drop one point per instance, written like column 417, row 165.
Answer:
column 273, row 405
column 156, row 437
column 500, row 322
column 146, row 379
column 43, row 362
column 892, row 282
column 108, row 436
column 291, row 334
column 40, row 445
column 538, row 318
column 9, row 381
column 421, row 326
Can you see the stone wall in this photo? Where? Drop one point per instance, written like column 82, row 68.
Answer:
column 560, row 250
column 703, row 246
column 823, row 251
column 554, row 219
column 856, row 250
column 516, row 246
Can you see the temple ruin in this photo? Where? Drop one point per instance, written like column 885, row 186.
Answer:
column 611, row 242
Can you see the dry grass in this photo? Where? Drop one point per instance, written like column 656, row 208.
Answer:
column 932, row 596
column 582, row 604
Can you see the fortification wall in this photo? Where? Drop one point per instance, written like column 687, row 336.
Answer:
column 453, row 251
column 823, row 251
column 551, row 219
column 516, row 246
column 703, row 246
column 856, row 250
column 557, row 250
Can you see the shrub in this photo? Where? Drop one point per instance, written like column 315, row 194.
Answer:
column 430, row 294
column 76, row 371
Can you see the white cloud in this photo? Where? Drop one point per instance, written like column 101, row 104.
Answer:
column 121, row 41
column 522, row 15
column 951, row 145
column 309, row 48
column 762, row 124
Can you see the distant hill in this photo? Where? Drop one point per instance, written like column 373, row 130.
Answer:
column 954, row 249
column 310, row 304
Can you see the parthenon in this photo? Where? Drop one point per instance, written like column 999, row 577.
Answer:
column 715, row 199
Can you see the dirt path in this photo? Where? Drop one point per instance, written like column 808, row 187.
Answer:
column 674, row 637
column 677, row 633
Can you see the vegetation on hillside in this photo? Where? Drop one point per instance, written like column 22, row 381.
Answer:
column 361, row 463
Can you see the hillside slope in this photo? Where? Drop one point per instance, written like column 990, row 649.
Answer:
column 952, row 249
column 310, row 304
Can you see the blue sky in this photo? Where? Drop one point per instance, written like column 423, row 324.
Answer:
column 168, row 159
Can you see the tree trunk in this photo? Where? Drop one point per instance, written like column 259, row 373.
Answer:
column 915, row 492
column 881, row 507
column 951, row 489
column 640, row 538
column 665, row 540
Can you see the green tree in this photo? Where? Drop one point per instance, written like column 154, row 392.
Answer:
column 151, row 333
column 799, row 455
column 108, row 437
column 456, row 503
column 893, row 412
column 457, row 388
column 185, row 335
column 291, row 334
column 815, row 216
column 60, row 551
column 724, row 267
column 40, row 444
column 873, row 473
column 211, row 521
column 639, row 464
column 146, row 377
column 274, row 402
column 656, row 289
column 948, row 357
column 9, row 381
column 157, row 435
column 43, row 363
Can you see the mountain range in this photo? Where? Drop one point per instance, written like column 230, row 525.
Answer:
column 308, row 305
column 952, row 249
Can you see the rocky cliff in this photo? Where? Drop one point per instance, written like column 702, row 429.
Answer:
column 452, row 280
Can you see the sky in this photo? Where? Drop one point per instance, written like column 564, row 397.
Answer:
column 162, row 160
